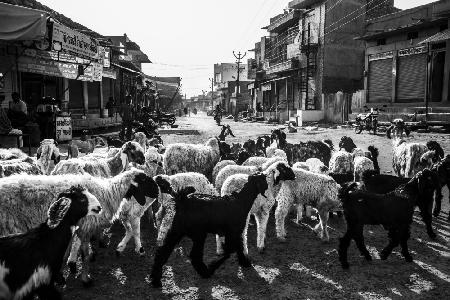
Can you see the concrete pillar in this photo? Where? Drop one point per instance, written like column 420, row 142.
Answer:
column 66, row 96
column 394, row 77
column 445, row 88
column 85, row 97
column 100, row 94
column 366, row 79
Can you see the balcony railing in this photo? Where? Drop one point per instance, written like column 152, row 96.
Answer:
column 284, row 21
column 283, row 66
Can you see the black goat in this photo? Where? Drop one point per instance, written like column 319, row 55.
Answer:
column 436, row 147
column 442, row 170
column 347, row 144
column 114, row 142
column 393, row 210
column 196, row 215
column 30, row 262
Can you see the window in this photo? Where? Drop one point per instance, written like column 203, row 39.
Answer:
column 381, row 42
column 412, row 35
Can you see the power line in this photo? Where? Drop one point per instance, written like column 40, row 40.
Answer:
column 348, row 15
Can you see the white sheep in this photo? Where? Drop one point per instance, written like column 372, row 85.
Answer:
column 12, row 153
column 262, row 206
column 46, row 153
column 17, row 166
column 26, row 198
column 301, row 165
column 181, row 157
column 219, row 166
column 274, row 151
column 231, row 170
column 316, row 190
column 362, row 164
column 316, row 165
column 176, row 182
column 130, row 152
column 341, row 162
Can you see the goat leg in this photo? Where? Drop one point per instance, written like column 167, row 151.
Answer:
column 359, row 239
column 393, row 242
column 86, row 278
column 162, row 254
column 196, row 257
column 427, row 219
column 344, row 242
column 404, row 244
column 243, row 259
column 438, row 203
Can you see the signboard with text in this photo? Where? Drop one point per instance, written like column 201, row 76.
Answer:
column 412, row 51
column 63, row 129
column 74, row 42
column 59, row 69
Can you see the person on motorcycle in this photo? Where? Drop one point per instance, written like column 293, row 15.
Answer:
column 218, row 114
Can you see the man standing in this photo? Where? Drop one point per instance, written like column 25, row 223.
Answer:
column 126, row 113
column 17, row 111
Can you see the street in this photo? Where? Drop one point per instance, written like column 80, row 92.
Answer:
column 302, row 268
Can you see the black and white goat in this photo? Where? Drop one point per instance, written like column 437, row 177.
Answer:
column 30, row 262
column 393, row 210
column 196, row 215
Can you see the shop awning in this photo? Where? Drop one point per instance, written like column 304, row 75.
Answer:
column 19, row 23
column 438, row 37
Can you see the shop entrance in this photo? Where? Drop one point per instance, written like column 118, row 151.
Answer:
column 437, row 76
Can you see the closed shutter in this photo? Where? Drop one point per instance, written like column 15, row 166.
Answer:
column 380, row 81
column 412, row 76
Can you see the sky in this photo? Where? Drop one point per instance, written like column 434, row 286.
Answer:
column 183, row 38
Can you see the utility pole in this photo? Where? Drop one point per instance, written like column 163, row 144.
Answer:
column 212, row 92
column 239, row 57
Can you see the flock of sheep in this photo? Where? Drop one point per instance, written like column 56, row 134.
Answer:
column 198, row 189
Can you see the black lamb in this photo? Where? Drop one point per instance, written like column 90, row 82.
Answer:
column 30, row 263
column 442, row 170
column 393, row 210
column 382, row 184
column 196, row 215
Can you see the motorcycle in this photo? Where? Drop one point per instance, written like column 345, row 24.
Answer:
column 368, row 121
column 161, row 117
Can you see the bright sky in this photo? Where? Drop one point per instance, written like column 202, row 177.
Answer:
column 183, row 37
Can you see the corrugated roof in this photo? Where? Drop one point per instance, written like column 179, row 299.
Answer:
column 54, row 14
column 438, row 37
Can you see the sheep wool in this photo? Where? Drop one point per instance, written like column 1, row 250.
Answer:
column 46, row 151
column 316, row 165
column 17, row 166
column 12, row 153
column 301, row 165
column 219, row 166
column 341, row 162
column 181, row 157
column 231, row 170
column 406, row 157
column 362, row 164
column 308, row 188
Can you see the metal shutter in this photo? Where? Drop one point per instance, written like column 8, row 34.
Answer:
column 380, row 81
column 412, row 76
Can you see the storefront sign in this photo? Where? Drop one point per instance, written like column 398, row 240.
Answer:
column 384, row 55
column 54, row 55
column 109, row 73
column 63, row 129
column 412, row 51
column 266, row 87
column 69, row 40
column 59, row 69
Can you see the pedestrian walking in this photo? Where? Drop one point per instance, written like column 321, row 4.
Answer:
column 126, row 113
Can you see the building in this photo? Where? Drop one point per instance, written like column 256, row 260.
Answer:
column 310, row 52
column 37, row 59
column 407, row 60
column 168, row 95
column 225, row 82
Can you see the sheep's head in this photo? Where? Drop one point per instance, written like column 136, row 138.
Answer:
column 142, row 186
column 282, row 172
column 141, row 138
column 133, row 152
column 439, row 152
column 235, row 147
column 250, row 146
column 213, row 143
column 224, row 148
column 243, row 155
column 100, row 142
column 164, row 184
column 72, row 205
column 347, row 144
column 260, row 182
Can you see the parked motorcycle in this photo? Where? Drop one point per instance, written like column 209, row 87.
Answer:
column 161, row 117
column 368, row 121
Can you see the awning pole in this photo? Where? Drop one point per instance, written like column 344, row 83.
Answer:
column 427, row 94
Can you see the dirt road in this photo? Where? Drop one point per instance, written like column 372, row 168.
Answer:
column 302, row 268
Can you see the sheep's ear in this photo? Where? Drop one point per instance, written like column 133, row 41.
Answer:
column 57, row 211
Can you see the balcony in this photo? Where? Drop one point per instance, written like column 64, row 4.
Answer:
column 282, row 66
column 284, row 21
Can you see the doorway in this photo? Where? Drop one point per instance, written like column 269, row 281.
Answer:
column 437, row 76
